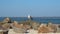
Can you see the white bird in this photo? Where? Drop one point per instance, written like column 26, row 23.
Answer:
column 29, row 16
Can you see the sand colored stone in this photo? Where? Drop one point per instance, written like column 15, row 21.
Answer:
column 1, row 32
column 12, row 32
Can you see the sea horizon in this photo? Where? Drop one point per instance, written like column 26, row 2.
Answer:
column 55, row 20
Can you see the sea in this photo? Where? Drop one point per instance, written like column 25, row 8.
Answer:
column 55, row 20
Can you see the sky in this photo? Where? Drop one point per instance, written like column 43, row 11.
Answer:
column 38, row 8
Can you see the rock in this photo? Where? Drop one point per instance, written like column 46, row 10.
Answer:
column 7, row 20
column 43, row 29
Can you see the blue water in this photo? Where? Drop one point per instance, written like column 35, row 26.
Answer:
column 37, row 19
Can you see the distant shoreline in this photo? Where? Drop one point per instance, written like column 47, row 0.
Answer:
column 35, row 16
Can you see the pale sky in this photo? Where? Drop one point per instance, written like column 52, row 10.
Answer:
column 33, row 7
